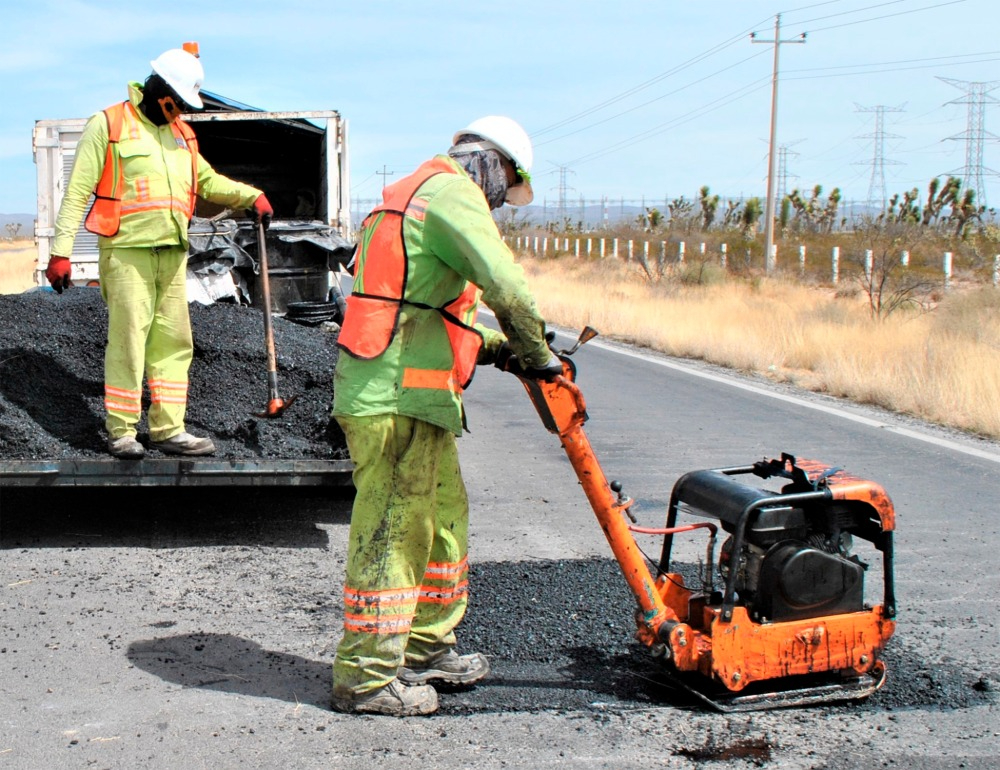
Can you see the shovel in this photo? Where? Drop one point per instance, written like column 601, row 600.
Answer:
column 275, row 404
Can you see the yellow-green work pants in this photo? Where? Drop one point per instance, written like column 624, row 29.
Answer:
column 406, row 586
column 149, row 330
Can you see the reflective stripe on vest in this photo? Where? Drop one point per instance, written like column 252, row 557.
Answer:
column 104, row 217
column 372, row 317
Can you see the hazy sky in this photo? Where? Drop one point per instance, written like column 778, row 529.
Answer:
column 626, row 99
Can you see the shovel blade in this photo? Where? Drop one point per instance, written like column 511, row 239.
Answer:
column 275, row 407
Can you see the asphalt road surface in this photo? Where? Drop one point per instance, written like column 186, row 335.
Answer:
column 194, row 628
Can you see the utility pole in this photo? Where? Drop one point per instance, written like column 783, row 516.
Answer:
column 977, row 95
column 769, row 259
column 876, row 187
column 383, row 173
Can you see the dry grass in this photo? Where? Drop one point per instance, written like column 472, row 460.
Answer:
column 942, row 366
column 17, row 265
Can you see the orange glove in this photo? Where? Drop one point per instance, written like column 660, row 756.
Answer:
column 58, row 272
column 262, row 211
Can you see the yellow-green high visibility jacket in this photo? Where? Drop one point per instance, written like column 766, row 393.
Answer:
column 157, row 183
column 450, row 240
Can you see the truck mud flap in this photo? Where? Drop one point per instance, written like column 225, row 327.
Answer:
column 175, row 472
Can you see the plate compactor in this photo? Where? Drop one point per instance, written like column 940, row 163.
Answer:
column 786, row 622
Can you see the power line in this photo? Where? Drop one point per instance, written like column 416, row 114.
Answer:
column 887, row 16
column 647, row 103
column 646, row 84
column 698, row 112
column 853, row 10
column 923, row 60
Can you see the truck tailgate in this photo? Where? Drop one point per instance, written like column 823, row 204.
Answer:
column 174, row 472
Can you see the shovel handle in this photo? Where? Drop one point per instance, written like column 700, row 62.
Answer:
column 272, row 364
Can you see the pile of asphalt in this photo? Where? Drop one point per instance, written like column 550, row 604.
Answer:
column 52, row 381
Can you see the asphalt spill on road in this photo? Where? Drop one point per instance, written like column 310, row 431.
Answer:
column 559, row 636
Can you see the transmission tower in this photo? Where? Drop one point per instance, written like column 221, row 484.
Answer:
column 783, row 152
column 976, row 97
column 877, row 198
column 562, row 190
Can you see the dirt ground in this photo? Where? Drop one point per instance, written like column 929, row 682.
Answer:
column 17, row 265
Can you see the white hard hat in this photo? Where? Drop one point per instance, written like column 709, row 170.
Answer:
column 508, row 137
column 183, row 72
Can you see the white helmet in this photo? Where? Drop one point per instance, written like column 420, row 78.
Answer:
column 509, row 138
column 183, row 73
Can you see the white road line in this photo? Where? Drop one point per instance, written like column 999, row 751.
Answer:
column 909, row 433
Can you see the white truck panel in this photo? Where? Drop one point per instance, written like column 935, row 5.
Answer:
column 55, row 147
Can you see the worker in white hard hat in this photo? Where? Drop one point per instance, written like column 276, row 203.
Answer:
column 142, row 165
column 410, row 344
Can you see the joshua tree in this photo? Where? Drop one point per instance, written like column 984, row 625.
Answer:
column 709, row 205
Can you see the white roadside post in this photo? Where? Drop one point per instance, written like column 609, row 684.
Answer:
column 904, row 258
column 835, row 265
column 947, row 270
column 680, row 252
column 868, row 265
column 723, row 257
column 802, row 259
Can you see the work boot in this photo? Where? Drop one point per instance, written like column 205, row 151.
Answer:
column 447, row 667
column 185, row 444
column 394, row 699
column 126, row 448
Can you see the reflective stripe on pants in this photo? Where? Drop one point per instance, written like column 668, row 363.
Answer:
column 407, row 575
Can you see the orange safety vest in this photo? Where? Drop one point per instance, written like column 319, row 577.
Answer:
column 104, row 217
column 372, row 316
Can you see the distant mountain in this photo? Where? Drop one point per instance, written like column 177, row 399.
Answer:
column 27, row 222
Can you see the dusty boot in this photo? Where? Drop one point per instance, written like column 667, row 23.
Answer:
column 448, row 667
column 185, row 444
column 395, row 699
column 126, row 448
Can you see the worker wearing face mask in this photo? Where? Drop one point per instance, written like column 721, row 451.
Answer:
column 142, row 164
column 425, row 259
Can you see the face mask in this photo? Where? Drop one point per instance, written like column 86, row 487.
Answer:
column 485, row 168
column 159, row 102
